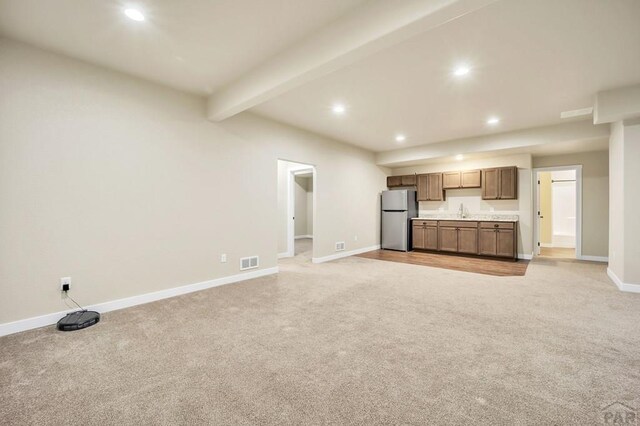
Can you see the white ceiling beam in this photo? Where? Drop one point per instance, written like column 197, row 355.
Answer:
column 617, row 104
column 575, row 131
column 376, row 25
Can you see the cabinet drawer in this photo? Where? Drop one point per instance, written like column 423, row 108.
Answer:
column 460, row 224
column 425, row 223
column 498, row 225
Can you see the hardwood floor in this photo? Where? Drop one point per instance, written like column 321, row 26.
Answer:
column 479, row 265
column 558, row 252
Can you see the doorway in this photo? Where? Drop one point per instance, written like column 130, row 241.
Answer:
column 296, row 210
column 558, row 214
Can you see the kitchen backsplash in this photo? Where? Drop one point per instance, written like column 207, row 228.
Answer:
column 472, row 201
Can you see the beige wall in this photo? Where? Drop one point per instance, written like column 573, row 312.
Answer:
column 522, row 206
column 595, row 196
column 624, row 151
column 125, row 186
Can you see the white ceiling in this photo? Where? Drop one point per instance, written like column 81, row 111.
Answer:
column 194, row 45
column 530, row 59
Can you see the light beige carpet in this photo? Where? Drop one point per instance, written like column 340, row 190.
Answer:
column 355, row 341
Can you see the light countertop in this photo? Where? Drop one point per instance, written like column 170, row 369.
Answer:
column 472, row 218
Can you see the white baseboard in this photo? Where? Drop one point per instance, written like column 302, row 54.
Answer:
column 285, row 254
column 299, row 237
column 525, row 256
column 604, row 259
column 631, row 288
column 44, row 320
column 342, row 254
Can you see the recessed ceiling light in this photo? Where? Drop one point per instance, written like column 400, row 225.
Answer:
column 492, row 121
column 459, row 157
column 338, row 109
column 401, row 138
column 461, row 70
column 134, row 14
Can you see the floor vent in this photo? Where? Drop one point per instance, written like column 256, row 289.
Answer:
column 249, row 263
column 340, row 246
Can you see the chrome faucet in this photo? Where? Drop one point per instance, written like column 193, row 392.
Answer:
column 461, row 211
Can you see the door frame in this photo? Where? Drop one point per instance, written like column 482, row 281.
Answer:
column 291, row 203
column 536, row 205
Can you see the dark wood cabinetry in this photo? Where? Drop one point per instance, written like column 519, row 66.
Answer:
column 500, row 183
column 458, row 237
column 430, row 187
column 497, row 239
column 404, row 180
column 468, row 237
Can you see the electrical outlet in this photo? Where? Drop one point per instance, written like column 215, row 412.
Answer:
column 65, row 283
column 223, row 258
column 355, row 238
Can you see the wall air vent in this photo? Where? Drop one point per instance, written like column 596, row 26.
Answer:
column 249, row 263
column 340, row 246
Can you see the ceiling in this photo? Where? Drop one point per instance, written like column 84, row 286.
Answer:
column 529, row 59
column 194, row 45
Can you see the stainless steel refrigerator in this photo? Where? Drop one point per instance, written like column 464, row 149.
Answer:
column 398, row 207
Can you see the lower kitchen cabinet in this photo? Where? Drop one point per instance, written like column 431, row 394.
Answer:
column 458, row 237
column 425, row 235
column 468, row 237
column 448, row 236
column 497, row 239
column 468, row 240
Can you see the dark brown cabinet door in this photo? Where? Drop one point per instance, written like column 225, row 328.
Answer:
column 490, row 184
column 408, row 180
column 505, row 243
column 418, row 237
column 394, row 181
column 451, row 180
column 508, row 183
column 468, row 240
column 431, row 237
column 470, row 179
column 487, row 242
column 448, row 238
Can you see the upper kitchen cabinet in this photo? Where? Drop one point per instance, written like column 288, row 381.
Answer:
column 394, row 181
column 471, row 178
column 461, row 179
column 430, row 187
column 500, row 183
column 405, row 180
column 408, row 180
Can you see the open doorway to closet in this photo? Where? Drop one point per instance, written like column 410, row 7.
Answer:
column 296, row 209
column 558, row 212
